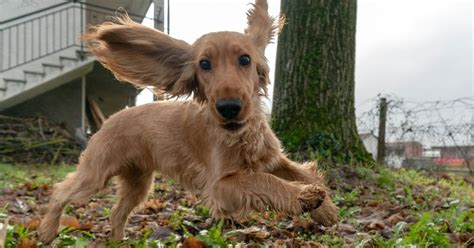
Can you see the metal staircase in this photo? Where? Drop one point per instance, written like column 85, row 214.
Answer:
column 45, row 68
column 41, row 50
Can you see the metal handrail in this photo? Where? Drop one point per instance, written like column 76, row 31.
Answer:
column 33, row 13
column 56, row 28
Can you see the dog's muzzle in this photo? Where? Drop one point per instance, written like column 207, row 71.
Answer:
column 233, row 126
column 229, row 108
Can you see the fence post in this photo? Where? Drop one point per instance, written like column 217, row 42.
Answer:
column 382, row 124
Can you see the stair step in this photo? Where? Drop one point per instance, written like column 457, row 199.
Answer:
column 3, row 89
column 83, row 54
column 35, row 72
column 14, row 80
column 53, row 65
column 68, row 58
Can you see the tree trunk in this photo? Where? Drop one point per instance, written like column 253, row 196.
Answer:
column 313, row 107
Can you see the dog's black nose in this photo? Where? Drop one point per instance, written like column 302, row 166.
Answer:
column 229, row 108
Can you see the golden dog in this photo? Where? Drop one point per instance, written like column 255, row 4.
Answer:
column 219, row 145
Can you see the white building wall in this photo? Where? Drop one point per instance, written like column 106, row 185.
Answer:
column 13, row 8
column 370, row 143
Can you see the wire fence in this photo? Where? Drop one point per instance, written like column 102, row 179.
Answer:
column 432, row 123
column 423, row 135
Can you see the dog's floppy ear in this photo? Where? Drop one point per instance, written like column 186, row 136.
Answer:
column 261, row 27
column 144, row 56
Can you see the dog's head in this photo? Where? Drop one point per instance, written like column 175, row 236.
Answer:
column 227, row 71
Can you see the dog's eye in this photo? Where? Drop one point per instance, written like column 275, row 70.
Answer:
column 205, row 64
column 244, row 60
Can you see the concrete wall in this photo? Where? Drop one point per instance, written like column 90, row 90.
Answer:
column 60, row 105
column 110, row 94
column 64, row 103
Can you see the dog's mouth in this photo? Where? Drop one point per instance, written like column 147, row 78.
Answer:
column 233, row 126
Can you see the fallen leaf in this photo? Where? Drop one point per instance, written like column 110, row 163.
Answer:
column 27, row 243
column 192, row 242
column 161, row 233
column 300, row 225
column 262, row 234
column 33, row 224
column 462, row 238
column 279, row 243
column 372, row 203
column 346, row 228
column 155, row 204
column 29, row 186
column 281, row 234
column 70, row 221
column 375, row 225
column 87, row 225
column 45, row 187
column 93, row 205
column 251, row 233
column 313, row 244
column 394, row 219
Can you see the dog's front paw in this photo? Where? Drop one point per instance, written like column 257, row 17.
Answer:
column 326, row 214
column 311, row 197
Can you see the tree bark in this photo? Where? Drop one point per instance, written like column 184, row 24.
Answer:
column 313, row 108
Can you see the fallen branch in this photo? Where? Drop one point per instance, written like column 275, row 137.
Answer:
column 35, row 140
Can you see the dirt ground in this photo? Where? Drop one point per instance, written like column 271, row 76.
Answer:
column 378, row 208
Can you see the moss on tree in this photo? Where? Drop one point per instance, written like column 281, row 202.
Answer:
column 313, row 109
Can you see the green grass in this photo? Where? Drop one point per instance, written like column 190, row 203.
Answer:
column 214, row 236
column 439, row 207
column 385, row 179
column 14, row 175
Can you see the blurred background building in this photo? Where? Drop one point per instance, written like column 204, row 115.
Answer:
column 45, row 68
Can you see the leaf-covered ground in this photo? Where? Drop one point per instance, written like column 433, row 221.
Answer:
column 378, row 208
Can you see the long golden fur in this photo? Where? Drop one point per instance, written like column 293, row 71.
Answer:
column 236, row 165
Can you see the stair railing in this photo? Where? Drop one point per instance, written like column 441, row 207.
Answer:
column 33, row 36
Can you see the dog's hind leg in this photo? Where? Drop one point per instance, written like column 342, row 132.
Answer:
column 133, row 188
column 77, row 187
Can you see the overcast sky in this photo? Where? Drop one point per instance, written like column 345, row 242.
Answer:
column 416, row 49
